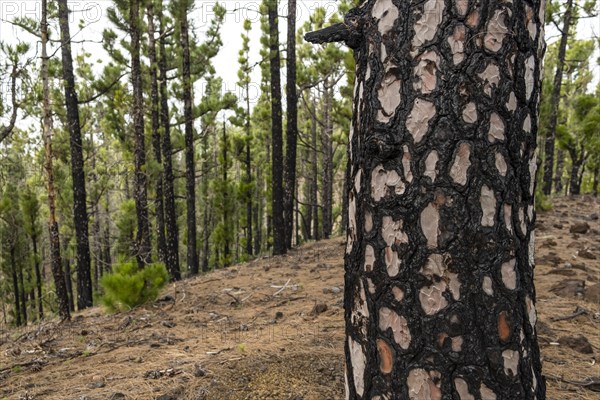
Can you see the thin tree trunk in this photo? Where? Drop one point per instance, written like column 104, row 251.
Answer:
column 327, row 162
column 80, row 216
column 172, row 230
column 595, row 184
column 22, row 293
column 248, row 176
column 315, row 179
column 226, row 210
column 15, row 281
column 206, row 211
column 576, row 166
column 279, row 246
column 140, row 183
column 291, row 125
column 38, row 274
column 555, row 100
column 190, row 170
column 54, row 236
column 96, row 240
column 439, row 296
column 161, row 244
column 67, row 279
column 560, row 163
column 106, row 237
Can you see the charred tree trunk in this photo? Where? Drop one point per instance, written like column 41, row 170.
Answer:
column 226, row 208
column 140, row 182
column 555, row 99
column 291, row 125
column 22, row 292
column 560, row 164
column 38, row 274
column 439, row 296
column 190, row 170
column 172, row 231
column 15, row 282
column 80, row 215
column 67, row 279
column 595, row 184
column 577, row 161
column 327, row 211
column 279, row 246
column 248, row 165
column 314, row 192
column 161, row 244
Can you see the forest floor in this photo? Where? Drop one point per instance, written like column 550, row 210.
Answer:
column 273, row 329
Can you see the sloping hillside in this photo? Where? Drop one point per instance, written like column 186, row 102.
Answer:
column 273, row 329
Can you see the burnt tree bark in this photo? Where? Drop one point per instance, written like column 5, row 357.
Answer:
column 439, row 296
column 327, row 146
column 291, row 125
column 161, row 241
column 15, row 282
column 276, row 132
column 80, row 215
column 143, row 247
column 560, row 163
column 190, row 170
column 171, row 228
column 555, row 99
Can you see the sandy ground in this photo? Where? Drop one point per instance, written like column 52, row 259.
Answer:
column 273, row 329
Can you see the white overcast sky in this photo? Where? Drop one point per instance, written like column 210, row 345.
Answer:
column 93, row 12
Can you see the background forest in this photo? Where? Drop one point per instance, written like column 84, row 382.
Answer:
column 144, row 157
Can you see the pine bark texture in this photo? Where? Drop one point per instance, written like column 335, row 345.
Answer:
column 140, row 180
column 291, row 125
column 439, row 295
column 80, row 215
column 555, row 100
column 276, row 132
column 171, row 228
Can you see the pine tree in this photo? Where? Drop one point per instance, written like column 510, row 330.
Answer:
column 80, row 215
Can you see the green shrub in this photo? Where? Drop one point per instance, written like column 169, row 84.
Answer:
column 128, row 286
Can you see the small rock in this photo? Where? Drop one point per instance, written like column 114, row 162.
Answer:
column 166, row 299
column 569, row 288
column 579, row 227
column 168, row 324
column 578, row 343
column 319, row 308
column 580, row 266
column 558, row 226
column 587, row 254
column 278, row 315
column 125, row 322
column 594, row 217
column 335, row 290
column 199, row 372
column 96, row 385
column 117, row 396
column 166, row 397
column 592, row 293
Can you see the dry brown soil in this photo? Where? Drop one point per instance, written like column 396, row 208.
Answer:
column 260, row 330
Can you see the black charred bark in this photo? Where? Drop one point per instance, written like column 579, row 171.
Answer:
column 291, row 125
column 439, row 296
column 143, row 246
column 15, row 282
column 161, row 241
column 80, row 215
column 190, row 170
column 279, row 246
column 172, row 230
